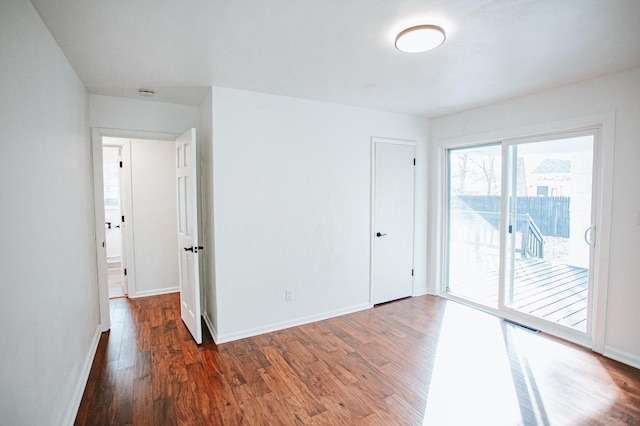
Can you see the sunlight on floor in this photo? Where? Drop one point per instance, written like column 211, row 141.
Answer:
column 491, row 380
column 470, row 385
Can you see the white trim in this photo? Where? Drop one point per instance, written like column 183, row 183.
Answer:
column 436, row 228
column 212, row 330
column 155, row 292
column 532, row 130
column 83, row 378
column 603, row 190
column 100, row 235
column 228, row 337
column 134, row 134
column 372, row 223
column 604, row 173
column 393, row 141
column 622, row 356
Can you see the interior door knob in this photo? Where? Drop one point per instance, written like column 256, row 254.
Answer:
column 380, row 234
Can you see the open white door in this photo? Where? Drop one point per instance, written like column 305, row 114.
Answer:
column 393, row 210
column 187, row 191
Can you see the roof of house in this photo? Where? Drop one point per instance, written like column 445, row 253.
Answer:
column 553, row 165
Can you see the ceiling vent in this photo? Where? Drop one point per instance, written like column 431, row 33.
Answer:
column 147, row 93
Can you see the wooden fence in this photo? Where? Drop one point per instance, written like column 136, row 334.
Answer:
column 550, row 214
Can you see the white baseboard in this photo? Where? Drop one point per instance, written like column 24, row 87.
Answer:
column 211, row 327
column 420, row 292
column 223, row 338
column 156, row 292
column 623, row 357
column 83, row 378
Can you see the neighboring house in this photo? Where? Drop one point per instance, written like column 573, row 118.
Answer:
column 551, row 178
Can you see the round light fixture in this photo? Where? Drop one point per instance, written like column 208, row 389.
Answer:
column 420, row 38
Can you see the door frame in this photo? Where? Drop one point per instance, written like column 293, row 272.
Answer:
column 602, row 200
column 372, row 223
column 508, row 166
column 97, row 134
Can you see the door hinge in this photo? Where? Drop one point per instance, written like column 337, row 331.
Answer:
column 121, row 164
column 125, row 272
column 122, row 218
column 511, row 229
column 412, row 272
column 414, row 161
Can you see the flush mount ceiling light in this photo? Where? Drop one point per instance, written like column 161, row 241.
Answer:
column 420, row 38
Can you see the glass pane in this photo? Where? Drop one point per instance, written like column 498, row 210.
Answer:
column 474, row 193
column 550, row 216
column 111, row 176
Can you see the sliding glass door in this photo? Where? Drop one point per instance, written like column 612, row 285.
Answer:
column 549, row 223
column 519, row 234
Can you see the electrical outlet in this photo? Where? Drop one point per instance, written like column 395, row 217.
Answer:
column 288, row 295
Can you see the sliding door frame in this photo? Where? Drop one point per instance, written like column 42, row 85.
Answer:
column 509, row 183
column 603, row 124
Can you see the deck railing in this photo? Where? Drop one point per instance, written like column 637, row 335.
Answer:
column 532, row 241
column 478, row 233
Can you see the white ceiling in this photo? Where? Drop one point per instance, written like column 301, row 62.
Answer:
column 342, row 50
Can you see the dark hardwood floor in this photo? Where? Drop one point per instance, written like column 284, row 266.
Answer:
column 416, row 361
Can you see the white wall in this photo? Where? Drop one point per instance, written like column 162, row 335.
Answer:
column 205, row 203
column 155, row 235
column 618, row 93
column 141, row 115
column 291, row 183
column 49, row 303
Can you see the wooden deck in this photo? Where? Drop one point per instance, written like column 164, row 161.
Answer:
column 554, row 292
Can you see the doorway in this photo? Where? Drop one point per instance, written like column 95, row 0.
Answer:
column 520, row 238
column 152, row 164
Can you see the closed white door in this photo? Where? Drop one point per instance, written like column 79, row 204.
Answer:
column 393, row 180
column 186, row 187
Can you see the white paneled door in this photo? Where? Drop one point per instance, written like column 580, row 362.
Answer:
column 393, row 211
column 186, row 187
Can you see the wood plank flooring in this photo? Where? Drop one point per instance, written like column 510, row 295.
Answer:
column 114, row 277
column 422, row 360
